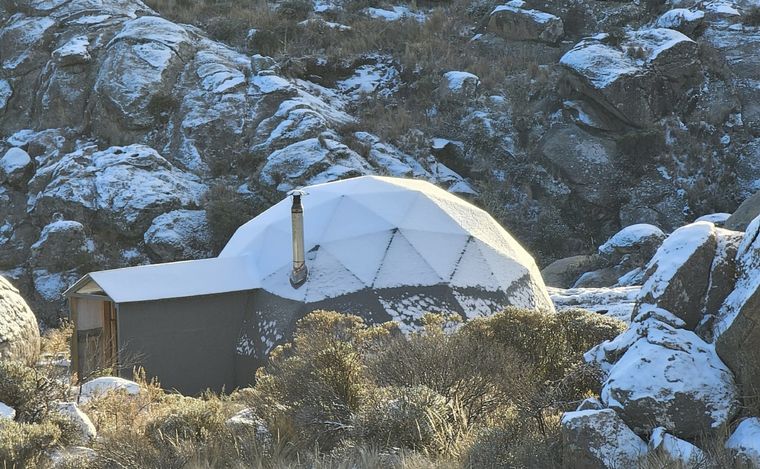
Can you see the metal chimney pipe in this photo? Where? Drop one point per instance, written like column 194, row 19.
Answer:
column 299, row 273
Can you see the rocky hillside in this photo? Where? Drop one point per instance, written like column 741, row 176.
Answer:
column 127, row 137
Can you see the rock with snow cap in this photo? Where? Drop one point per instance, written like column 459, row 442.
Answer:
column 744, row 442
column 635, row 77
column 675, row 449
column 677, row 277
column 311, row 161
column 717, row 219
column 62, row 245
column 599, row 439
column 669, row 377
column 722, row 280
column 16, row 166
column 99, row 387
column 459, row 85
column 641, row 240
column 138, row 70
column 72, row 412
column 513, row 22
column 179, row 235
column 681, row 19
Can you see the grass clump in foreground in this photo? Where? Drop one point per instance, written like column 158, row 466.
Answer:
column 342, row 393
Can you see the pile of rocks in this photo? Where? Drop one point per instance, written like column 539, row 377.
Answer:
column 689, row 361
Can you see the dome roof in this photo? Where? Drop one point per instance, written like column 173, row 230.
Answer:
column 377, row 233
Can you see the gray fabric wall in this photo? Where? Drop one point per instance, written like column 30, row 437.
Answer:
column 187, row 343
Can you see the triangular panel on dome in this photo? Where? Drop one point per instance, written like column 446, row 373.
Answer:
column 505, row 269
column 425, row 214
column 351, row 219
column 404, row 266
column 473, row 270
column 391, row 206
column 328, row 278
column 362, row 255
column 441, row 250
column 491, row 233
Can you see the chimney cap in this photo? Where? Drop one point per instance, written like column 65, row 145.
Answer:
column 297, row 192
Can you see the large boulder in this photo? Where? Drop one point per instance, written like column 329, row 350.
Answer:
column 139, row 69
column 179, row 235
column 742, row 216
column 634, row 77
column 737, row 337
column 681, row 19
column 15, row 166
column 311, row 161
column 599, row 439
column 669, row 377
column 601, row 278
column 19, row 332
column 744, row 442
column 723, row 274
column 564, row 272
column 636, row 242
column 678, row 276
column 585, row 160
column 513, row 22
column 62, row 245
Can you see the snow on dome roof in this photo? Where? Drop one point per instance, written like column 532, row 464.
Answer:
column 379, row 233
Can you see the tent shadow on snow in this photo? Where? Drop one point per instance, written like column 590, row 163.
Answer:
column 382, row 248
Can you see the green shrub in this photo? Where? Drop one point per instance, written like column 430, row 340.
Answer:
column 404, row 417
column 312, row 388
column 23, row 445
column 295, row 10
column 473, row 374
column 552, row 342
column 186, row 419
column 28, row 390
column 752, row 16
column 583, row 329
column 518, row 444
column 226, row 211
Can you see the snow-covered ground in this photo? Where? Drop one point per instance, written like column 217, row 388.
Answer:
column 616, row 302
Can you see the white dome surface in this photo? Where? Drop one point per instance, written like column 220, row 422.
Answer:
column 378, row 233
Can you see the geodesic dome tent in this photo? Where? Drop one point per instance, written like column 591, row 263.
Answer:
column 381, row 248
column 396, row 246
